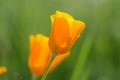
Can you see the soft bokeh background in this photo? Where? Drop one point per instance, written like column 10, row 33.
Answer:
column 95, row 55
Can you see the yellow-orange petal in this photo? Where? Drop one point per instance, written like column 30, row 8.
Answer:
column 61, row 31
column 58, row 59
column 52, row 19
column 68, row 17
column 75, row 30
column 3, row 70
column 40, row 54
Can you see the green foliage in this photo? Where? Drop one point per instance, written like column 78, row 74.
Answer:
column 96, row 57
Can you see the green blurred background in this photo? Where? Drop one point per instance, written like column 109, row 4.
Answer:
column 95, row 55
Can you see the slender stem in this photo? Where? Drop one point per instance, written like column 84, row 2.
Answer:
column 48, row 67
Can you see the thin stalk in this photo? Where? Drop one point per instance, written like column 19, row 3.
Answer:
column 82, row 59
column 48, row 67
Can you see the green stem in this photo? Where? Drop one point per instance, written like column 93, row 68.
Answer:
column 48, row 67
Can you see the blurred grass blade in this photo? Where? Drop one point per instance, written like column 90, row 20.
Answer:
column 82, row 59
column 85, row 74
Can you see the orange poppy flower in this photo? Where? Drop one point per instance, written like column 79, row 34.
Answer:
column 40, row 55
column 65, row 31
column 2, row 70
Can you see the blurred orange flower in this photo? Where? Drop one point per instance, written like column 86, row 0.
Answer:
column 65, row 31
column 3, row 70
column 40, row 55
